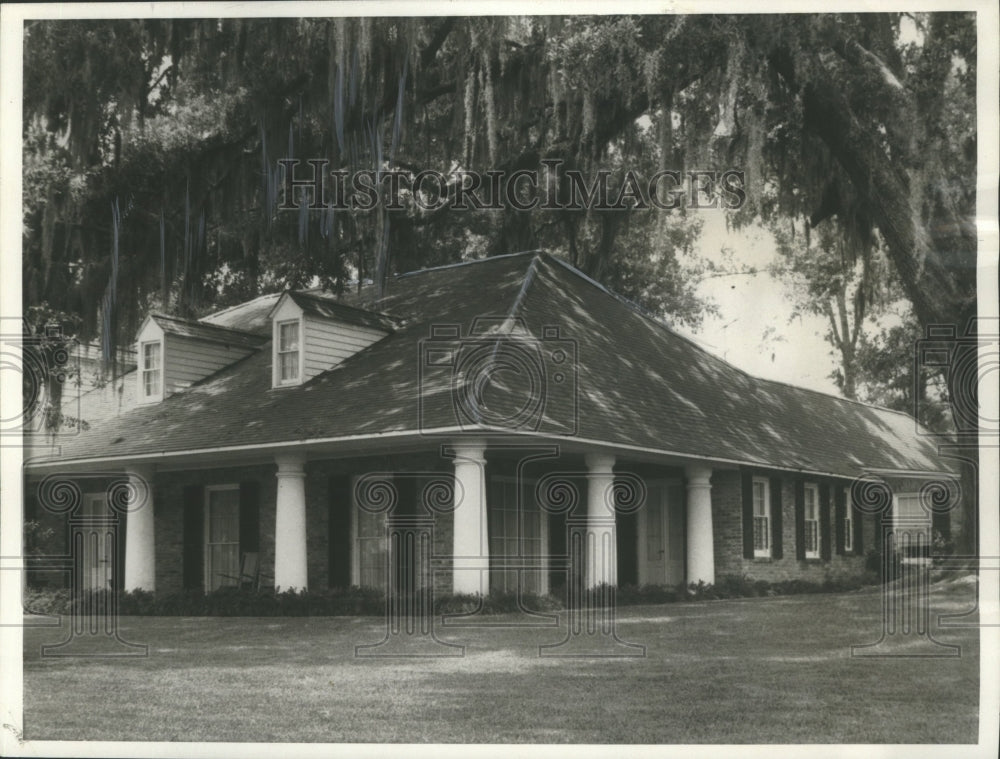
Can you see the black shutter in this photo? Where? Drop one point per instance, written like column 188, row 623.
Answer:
column 800, row 519
column 118, row 567
column 839, row 515
column 249, row 517
column 339, row 539
column 194, row 540
column 776, row 521
column 747, row 488
column 824, row 521
column 857, row 521
column 627, row 538
column 879, row 540
column 941, row 523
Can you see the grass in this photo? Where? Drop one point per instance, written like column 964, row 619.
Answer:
column 767, row 670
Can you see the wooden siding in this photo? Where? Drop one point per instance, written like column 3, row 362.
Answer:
column 187, row 360
column 327, row 343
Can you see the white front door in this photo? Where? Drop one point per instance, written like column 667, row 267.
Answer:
column 661, row 535
column 96, row 549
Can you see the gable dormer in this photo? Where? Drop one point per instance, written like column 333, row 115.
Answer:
column 172, row 354
column 311, row 334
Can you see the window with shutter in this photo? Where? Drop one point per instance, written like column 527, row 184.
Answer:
column 811, row 519
column 761, row 517
column 848, row 526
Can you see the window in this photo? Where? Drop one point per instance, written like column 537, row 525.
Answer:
column 222, row 536
column 909, row 513
column 911, row 525
column 288, row 363
column 761, row 517
column 152, row 370
column 848, row 523
column 517, row 545
column 812, row 524
column 97, row 547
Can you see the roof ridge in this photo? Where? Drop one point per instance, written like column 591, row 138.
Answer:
column 522, row 293
column 335, row 300
column 660, row 323
column 468, row 263
column 206, row 325
column 632, row 305
column 235, row 306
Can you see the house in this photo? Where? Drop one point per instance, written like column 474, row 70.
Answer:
column 488, row 426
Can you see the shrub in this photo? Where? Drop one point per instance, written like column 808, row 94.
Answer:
column 873, row 562
column 225, row 602
column 495, row 603
column 631, row 595
column 47, row 601
column 942, row 546
column 236, row 602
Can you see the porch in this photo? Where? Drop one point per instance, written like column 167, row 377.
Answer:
column 464, row 516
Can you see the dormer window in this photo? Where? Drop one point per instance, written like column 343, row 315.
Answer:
column 289, row 349
column 152, row 371
column 312, row 334
column 173, row 354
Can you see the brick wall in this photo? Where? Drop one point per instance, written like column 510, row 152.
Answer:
column 727, row 517
column 169, row 490
column 169, row 517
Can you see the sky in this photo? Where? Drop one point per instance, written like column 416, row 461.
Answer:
column 754, row 329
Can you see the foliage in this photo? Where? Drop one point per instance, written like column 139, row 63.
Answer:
column 36, row 537
column 743, row 586
column 234, row 602
column 225, row 602
column 151, row 146
column 495, row 603
column 892, row 377
column 47, row 366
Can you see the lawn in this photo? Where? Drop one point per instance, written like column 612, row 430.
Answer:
column 768, row 670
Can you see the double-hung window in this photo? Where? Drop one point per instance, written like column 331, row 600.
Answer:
column 848, row 523
column 288, row 357
column 761, row 517
column 152, row 370
column 812, row 521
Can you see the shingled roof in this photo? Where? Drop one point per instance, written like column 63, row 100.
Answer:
column 173, row 325
column 638, row 384
column 328, row 308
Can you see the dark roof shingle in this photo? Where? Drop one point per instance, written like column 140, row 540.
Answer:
column 626, row 379
column 215, row 333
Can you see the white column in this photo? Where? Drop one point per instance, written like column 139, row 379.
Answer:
column 700, row 550
column 290, row 524
column 601, row 563
column 470, row 541
column 140, row 535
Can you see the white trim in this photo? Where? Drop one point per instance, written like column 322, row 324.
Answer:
column 143, row 398
column 209, row 489
column 911, row 521
column 813, row 488
column 848, row 525
column 429, row 436
column 276, row 380
column 763, row 553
